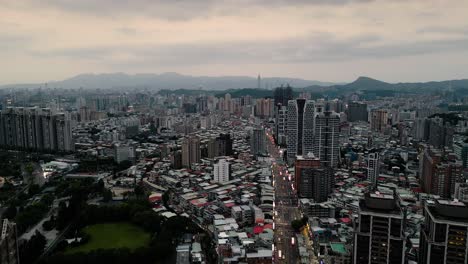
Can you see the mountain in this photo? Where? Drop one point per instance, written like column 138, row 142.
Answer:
column 169, row 81
column 369, row 84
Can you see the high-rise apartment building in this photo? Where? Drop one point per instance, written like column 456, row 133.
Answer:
column 327, row 138
column 281, row 124
column 373, row 168
column 282, row 95
column 439, row 171
column 379, row 236
column 295, row 121
column 440, row 132
column 264, row 108
column 35, row 129
column 357, row 112
column 461, row 192
column 8, row 243
column 461, row 150
column 311, row 179
column 308, row 128
column 191, row 152
column 257, row 142
column 220, row 146
column 221, row 171
column 379, row 120
column 444, row 233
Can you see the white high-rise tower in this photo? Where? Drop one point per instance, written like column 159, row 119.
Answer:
column 373, row 168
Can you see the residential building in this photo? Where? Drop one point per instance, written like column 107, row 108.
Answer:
column 35, row 129
column 311, row 179
column 191, row 152
column 444, row 233
column 357, row 112
column 295, row 119
column 258, row 142
column 461, row 150
column 439, row 171
column 379, row 236
column 373, row 168
column 327, row 138
column 222, row 171
column 308, row 128
column 282, row 95
column 379, row 120
column 461, row 192
column 220, row 146
column 124, row 152
column 281, row 124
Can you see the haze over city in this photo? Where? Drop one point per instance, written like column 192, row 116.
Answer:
column 334, row 41
column 233, row 131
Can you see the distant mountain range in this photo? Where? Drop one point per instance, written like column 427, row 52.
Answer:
column 240, row 85
column 369, row 84
column 169, row 81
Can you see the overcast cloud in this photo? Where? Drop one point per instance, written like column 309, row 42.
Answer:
column 326, row 40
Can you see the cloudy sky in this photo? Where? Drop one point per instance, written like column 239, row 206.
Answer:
column 326, row 40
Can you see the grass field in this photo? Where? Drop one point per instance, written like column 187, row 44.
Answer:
column 112, row 235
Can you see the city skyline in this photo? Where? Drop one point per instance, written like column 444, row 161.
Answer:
column 314, row 40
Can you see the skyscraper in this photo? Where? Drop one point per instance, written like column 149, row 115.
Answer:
column 439, row 171
column 357, row 112
column 8, row 243
column 191, row 152
column 221, row 171
column 259, row 82
column 282, row 95
column 373, row 168
column 295, row 123
column 257, row 142
column 444, row 233
column 311, row 179
column 220, row 146
column 379, row 120
column 308, row 128
column 281, row 124
column 35, row 129
column 461, row 150
column 379, row 237
column 327, row 138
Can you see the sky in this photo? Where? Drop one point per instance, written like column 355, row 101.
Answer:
column 325, row 40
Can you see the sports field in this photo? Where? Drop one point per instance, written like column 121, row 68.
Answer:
column 112, row 235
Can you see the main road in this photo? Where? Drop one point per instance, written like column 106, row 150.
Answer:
column 285, row 208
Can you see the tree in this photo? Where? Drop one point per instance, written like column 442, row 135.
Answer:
column 139, row 191
column 106, row 195
column 63, row 216
column 297, row 224
column 33, row 248
column 10, row 212
column 34, row 189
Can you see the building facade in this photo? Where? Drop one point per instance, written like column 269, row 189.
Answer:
column 379, row 237
column 35, row 129
column 439, row 172
column 258, row 142
column 444, row 233
column 327, row 138
column 221, row 171
column 312, row 180
column 191, row 152
column 373, row 168
column 357, row 112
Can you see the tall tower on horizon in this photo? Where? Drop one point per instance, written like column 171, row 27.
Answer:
column 259, row 82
